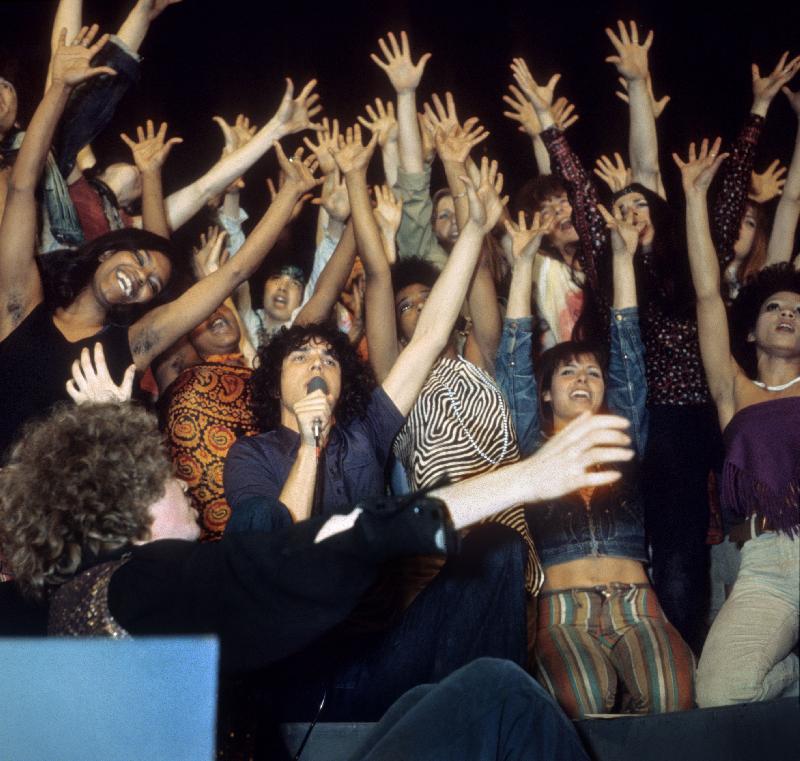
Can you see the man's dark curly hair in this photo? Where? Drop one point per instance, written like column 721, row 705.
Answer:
column 413, row 270
column 747, row 306
column 78, row 483
column 358, row 380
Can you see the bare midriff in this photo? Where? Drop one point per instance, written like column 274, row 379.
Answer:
column 592, row 572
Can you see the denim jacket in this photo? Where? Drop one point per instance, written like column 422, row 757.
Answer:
column 612, row 524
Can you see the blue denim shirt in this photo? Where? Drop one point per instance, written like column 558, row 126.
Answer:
column 612, row 524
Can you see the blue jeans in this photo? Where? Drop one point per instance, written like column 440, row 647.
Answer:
column 748, row 653
column 490, row 709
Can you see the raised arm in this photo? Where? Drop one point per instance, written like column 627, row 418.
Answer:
column 781, row 239
column 566, row 165
column 135, row 27
column 353, row 159
column 631, row 62
column 149, row 155
column 735, row 177
column 436, row 321
column 382, row 120
column 331, row 282
column 20, row 284
column 293, row 115
column 712, row 320
column 514, row 363
column 162, row 326
column 405, row 77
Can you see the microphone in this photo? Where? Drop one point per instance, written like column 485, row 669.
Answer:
column 317, row 383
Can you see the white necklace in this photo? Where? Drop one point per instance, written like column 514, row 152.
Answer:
column 778, row 388
column 456, row 405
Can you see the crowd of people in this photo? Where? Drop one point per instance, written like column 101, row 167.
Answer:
column 562, row 431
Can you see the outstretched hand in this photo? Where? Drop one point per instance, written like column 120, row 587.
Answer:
column 525, row 241
column 237, row 134
column 71, row 63
column 540, row 96
column 351, row 155
column 631, row 57
column 381, row 120
column 568, row 460
column 327, row 139
column 334, row 197
column 455, row 144
column 699, row 169
column 485, row 203
column 767, row 185
column 91, row 382
column 210, row 254
column 616, row 175
column 403, row 73
column 766, row 88
column 624, row 234
column 388, row 214
column 294, row 114
column 299, row 172
column 150, row 151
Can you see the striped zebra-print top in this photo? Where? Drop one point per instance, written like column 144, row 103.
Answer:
column 459, row 427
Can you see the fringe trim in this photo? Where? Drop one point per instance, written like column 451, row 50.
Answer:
column 751, row 495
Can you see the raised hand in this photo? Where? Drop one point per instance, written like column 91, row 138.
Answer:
column 351, row 155
column 427, row 133
column 658, row 106
column 485, row 203
column 237, row 134
column 210, row 254
column 699, row 169
column 92, row 383
column 381, row 120
column 273, row 194
column 616, row 176
column 299, row 172
column 151, row 151
column 540, row 96
column 327, row 139
column 522, row 112
column 388, row 214
column 402, row 72
column 294, row 114
column 767, row 185
column 525, row 241
column 455, row 144
column 442, row 116
column 631, row 57
column 766, row 88
column 71, row 63
column 624, row 234
column 564, row 114
column 334, row 198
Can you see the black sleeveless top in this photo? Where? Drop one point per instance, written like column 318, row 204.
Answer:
column 36, row 362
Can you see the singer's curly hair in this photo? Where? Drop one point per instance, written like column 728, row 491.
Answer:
column 358, row 380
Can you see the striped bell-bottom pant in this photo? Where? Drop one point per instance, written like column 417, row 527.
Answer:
column 610, row 649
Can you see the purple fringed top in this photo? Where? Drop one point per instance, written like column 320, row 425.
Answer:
column 762, row 463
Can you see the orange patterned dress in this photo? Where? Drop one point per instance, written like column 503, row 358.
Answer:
column 208, row 409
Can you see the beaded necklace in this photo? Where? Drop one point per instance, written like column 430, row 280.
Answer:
column 456, row 405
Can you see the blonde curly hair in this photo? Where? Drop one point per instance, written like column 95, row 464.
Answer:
column 77, row 484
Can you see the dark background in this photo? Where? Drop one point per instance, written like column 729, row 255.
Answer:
column 206, row 57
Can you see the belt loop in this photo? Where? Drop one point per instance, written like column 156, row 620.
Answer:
column 753, row 533
column 574, row 593
column 631, row 593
